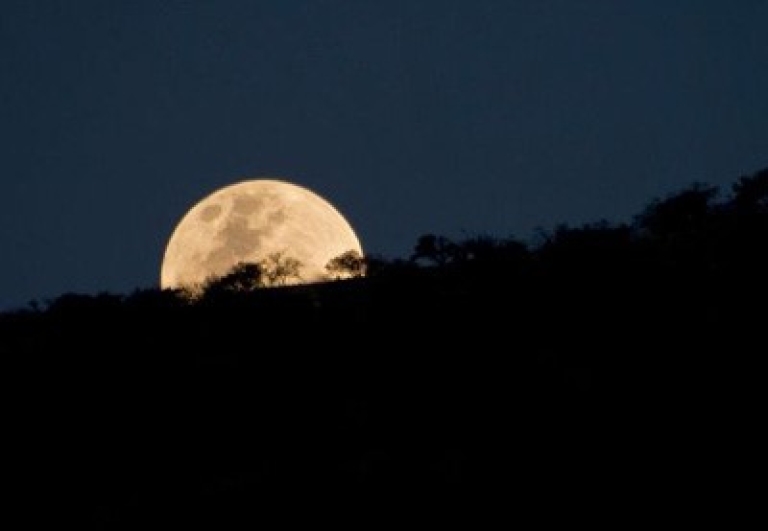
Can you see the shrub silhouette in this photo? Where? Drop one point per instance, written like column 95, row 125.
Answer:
column 350, row 264
column 243, row 277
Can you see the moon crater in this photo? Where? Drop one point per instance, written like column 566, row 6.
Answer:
column 210, row 213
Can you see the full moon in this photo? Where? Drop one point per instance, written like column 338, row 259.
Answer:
column 250, row 221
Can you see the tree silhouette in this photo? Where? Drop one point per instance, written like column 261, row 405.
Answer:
column 751, row 193
column 277, row 269
column 681, row 214
column 350, row 264
column 435, row 250
column 242, row 278
column 486, row 249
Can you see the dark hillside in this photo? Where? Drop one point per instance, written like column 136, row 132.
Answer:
column 593, row 369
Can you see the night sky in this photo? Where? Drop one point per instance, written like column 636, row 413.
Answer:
column 459, row 118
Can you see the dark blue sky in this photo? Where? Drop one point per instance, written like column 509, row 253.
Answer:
column 455, row 117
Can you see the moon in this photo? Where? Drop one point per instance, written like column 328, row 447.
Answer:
column 249, row 221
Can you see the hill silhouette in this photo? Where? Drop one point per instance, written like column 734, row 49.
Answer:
column 478, row 377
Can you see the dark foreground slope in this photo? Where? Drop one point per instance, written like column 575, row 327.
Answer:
column 605, row 371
